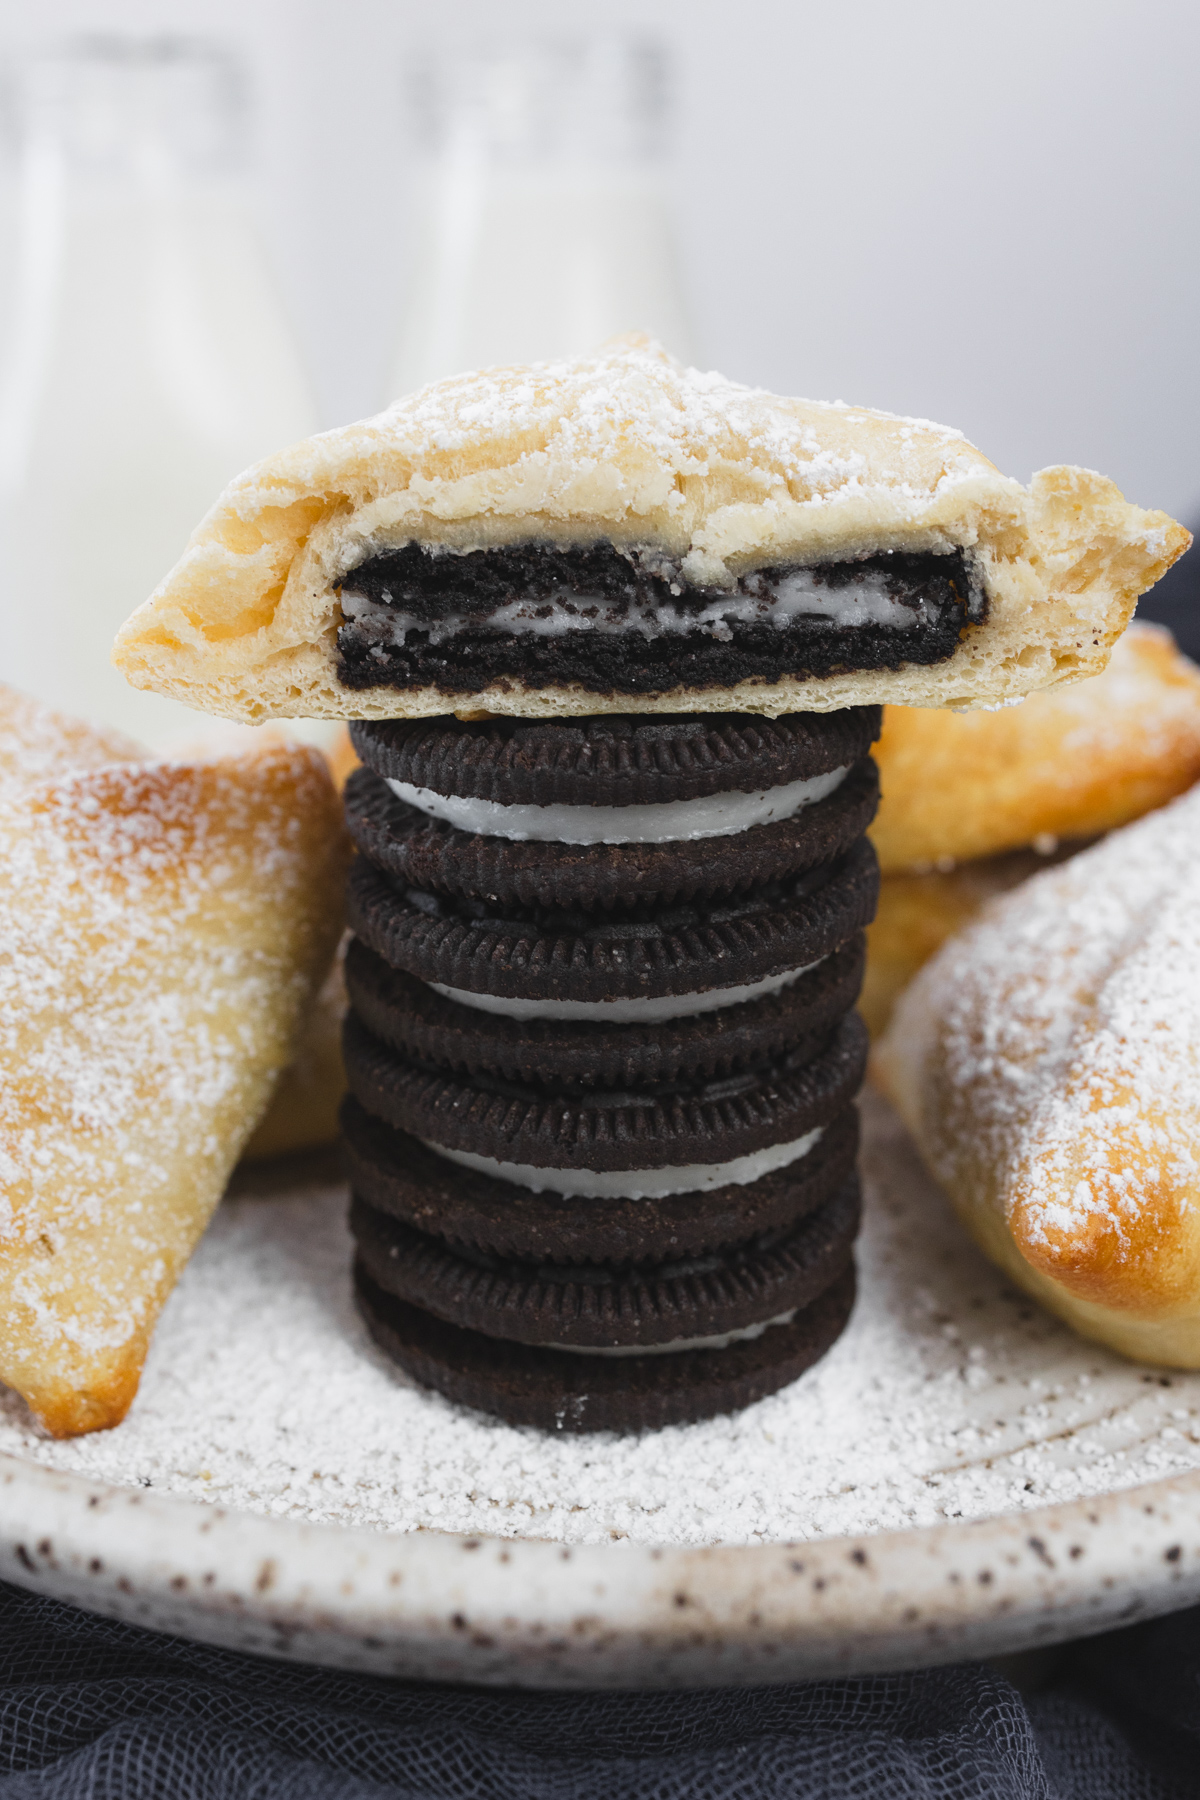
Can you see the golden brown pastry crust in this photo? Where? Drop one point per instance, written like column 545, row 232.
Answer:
column 629, row 446
column 342, row 758
column 303, row 1113
column 1071, row 763
column 37, row 742
column 1047, row 1062
column 163, row 927
column 916, row 915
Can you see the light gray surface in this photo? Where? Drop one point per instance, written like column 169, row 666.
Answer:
column 950, row 1396
column 982, row 215
column 538, row 1614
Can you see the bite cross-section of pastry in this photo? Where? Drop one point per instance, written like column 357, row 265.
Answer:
column 622, row 534
column 614, row 635
column 162, row 926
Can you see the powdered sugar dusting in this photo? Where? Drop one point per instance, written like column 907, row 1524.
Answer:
column 37, row 743
column 1068, row 1020
column 632, row 397
column 147, row 996
column 950, row 1396
column 622, row 435
column 1144, row 710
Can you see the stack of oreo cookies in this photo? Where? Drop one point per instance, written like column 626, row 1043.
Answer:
column 602, row 1054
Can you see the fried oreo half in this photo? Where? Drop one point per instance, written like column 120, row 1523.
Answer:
column 426, row 1026
column 644, row 1144
column 564, row 1390
column 424, row 852
column 475, row 1212
column 647, row 951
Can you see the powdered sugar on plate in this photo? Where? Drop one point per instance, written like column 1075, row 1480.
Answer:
column 950, row 1396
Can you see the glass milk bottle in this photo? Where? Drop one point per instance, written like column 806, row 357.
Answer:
column 148, row 358
column 543, row 225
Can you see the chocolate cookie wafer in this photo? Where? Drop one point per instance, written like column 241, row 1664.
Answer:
column 426, row 852
column 636, row 1145
column 534, row 776
column 668, row 960
column 426, row 1026
column 573, row 1390
column 397, row 1174
column 597, row 1305
column 588, row 1115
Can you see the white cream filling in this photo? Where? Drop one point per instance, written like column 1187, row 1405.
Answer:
column 721, row 1342
column 627, row 1012
column 777, row 600
column 798, row 595
column 635, row 1184
column 660, row 822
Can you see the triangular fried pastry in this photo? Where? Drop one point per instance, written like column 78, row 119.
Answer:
column 618, row 533
column 162, row 927
column 1069, row 763
column 37, row 742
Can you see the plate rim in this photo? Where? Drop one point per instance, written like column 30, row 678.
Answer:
column 533, row 1612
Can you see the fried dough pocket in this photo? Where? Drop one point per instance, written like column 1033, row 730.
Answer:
column 163, row 927
column 1047, row 1062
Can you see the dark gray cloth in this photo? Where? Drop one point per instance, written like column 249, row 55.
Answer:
column 94, row 1709
column 1175, row 601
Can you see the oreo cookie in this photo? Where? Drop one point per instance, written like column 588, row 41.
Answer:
column 622, row 620
column 427, row 1027
column 602, row 1055
column 601, row 1305
column 432, row 854
column 646, row 1143
column 562, row 1390
column 613, row 760
column 643, row 951
column 472, row 1211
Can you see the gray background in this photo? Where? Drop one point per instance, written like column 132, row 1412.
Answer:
column 981, row 213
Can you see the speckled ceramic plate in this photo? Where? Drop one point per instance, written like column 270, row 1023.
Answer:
column 960, row 1476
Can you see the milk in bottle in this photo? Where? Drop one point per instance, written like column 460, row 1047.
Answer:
column 148, row 358
column 543, row 220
